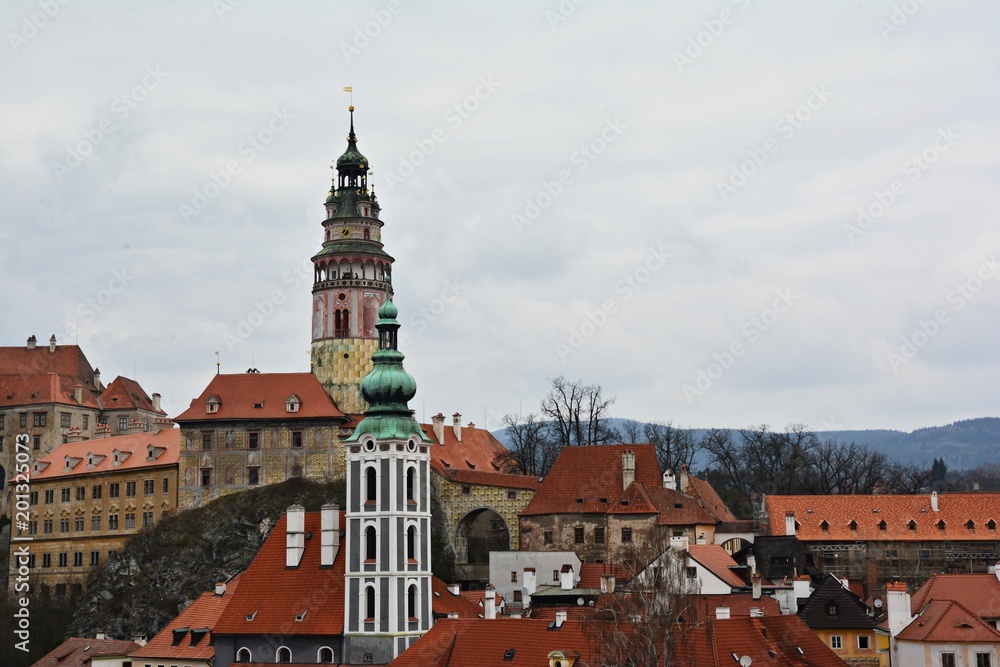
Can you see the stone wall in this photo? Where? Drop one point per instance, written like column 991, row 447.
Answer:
column 340, row 365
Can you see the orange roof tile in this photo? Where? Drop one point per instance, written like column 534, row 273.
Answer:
column 771, row 640
column 954, row 509
column 948, row 621
column 978, row 592
column 490, row 478
column 588, row 479
column 699, row 608
column 591, row 573
column 477, row 450
column 705, row 493
column 44, row 388
column 127, row 394
column 447, row 603
column 133, row 453
column 240, row 393
column 673, row 508
column 716, row 560
column 78, row 651
column 202, row 614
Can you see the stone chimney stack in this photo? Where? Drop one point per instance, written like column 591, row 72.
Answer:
column 790, row 523
column 490, row 602
column 722, row 613
column 628, row 468
column 102, row 431
column 897, row 602
column 162, row 424
column 607, row 583
column 560, row 617
column 438, row 422
column 78, row 394
column 685, row 480
column 456, row 425
column 752, row 563
column 97, row 379
column 156, row 401
column 455, row 589
column 32, row 341
column 529, row 583
column 669, row 480
column 755, row 581
column 220, row 589
column 566, row 577
column 330, row 535
column 52, row 343
column 295, row 535
column 934, row 501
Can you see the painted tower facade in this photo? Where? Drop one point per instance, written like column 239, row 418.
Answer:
column 388, row 597
column 351, row 278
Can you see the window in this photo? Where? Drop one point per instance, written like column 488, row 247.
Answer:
column 411, row 478
column 86, row 421
column 253, row 476
column 113, row 489
column 983, row 660
column 32, row 528
column 325, row 655
column 206, row 440
column 511, row 494
column 166, row 485
column 626, row 534
column 77, row 559
column 947, row 660
column 38, row 419
column 598, row 536
column 924, row 554
column 555, row 575
column 284, row 654
column 296, row 438
column 518, row 597
column 63, row 559
column 513, row 577
column 81, row 493
column 60, row 590
column 371, row 485
column 147, row 519
column 64, row 495
column 64, row 420
column 411, row 602
column 253, row 439
column 96, row 491
column 370, row 604
column 206, row 477
column 130, row 489
column 129, row 520
column 466, row 490
column 33, row 498
column 122, row 423
column 243, row 655
column 31, row 565
column 47, row 526
column 78, row 524
column 411, row 543
column 547, row 537
column 835, row 641
column 832, row 609
column 578, row 535
column 112, row 522
column 50, row 496
column 864, row 642
column 692, row 572
column 36, row 443
column 371, row 543
column 95, row 523
column 147, row 487
column 64, row 525
column 3, row 419
column 46, row 560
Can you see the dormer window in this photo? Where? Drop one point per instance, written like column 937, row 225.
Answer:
column 991, row 524
column 825, row 525
column 940, row 524
column 882, row 525
column 912, row 525
column 292, row 403
column 853, row 525
column 832, row 609
column 212, row 404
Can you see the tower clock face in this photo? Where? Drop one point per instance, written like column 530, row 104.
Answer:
column 345, row 232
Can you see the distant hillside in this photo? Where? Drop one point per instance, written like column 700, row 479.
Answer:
column 963, row 445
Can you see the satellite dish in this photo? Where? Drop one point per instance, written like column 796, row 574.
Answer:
column 746, row 661
column 579, row 602
column 878, row 603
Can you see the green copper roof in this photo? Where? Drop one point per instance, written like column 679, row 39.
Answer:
column 353, row 247
column 388, row 388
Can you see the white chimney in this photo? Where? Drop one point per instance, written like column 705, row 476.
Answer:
column 566, row 577
column 934, row 504
column 755, row 580
column 139, row 639
column 752, row 563
column 78, row 394
column 529, row 582
column 295, row 535
column 454, row 589
column 32, row 341
column 702, row 540
column 897, row 602
column 801, row 587
column 722, row 613
column 456, row 425
column 628, row 468
column 490, row 601
column 220, row 589
column 437, row 421
column 100, row 633
column 669, row 480
column 789, row 523
column 330, row 534
column 52, row 343
column 560, row 617
column 97, row 379
column 684, row 481
column 156, row 401
column 607, row 583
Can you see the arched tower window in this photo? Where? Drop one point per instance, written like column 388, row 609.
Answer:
column 411, row 484
column 370, row 603
column 243, row 655
column 371, row 543
column 411, row 601
column 342, row 323
column 411, row 543
column 367, row 233
column 283, row 655
column 371, row 486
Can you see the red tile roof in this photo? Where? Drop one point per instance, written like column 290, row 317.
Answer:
column 78, row 651
column 978, row 592
column 489, row 478
column 954, row 509
column 716, row 560
column 705, row 494
column 166, row 444
column 588, row 480
column 673, row 508
column 36, row 377
column 447, row 603
column 240, row 392
column 126, row 394
column 591, row 573
column 703, row 607
column 478, row 450
column 478, row 598
column 948, row 621
column 203, row 613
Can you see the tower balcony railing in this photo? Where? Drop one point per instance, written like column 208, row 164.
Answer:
column 350, row 282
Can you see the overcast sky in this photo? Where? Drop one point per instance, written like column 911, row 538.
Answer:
column 662, row 198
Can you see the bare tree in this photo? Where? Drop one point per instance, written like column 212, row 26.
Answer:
column 839, row 467
column 578, row 413
column 906, row 478
column 674, row 446
column 631, row 432
column 532, row 450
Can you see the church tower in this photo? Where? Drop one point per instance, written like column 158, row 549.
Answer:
column 388, row 598
column 351, row 277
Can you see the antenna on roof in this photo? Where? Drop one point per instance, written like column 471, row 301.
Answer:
column 218, row 363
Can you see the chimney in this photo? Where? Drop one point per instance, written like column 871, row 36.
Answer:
column 628, row 468
column 529, row 583
column 669, row 480
column 801, row 587
column 156, row 401
column 330, row 535
column 566, row 578
column 684, row 481
column 438, row 423
column 220, row 589
column 607, row 583
column 456, row 424
column 162, row 424
column 454, row 589
column 996, row 570
column 97, row 379
column 490, row 602
column 295, row 535
column 755, row 580
column 934, row 505
column 78, row 394
column 752, row 563
column 722, row 613
column 560, row 617
column 52, row 343
column 701, row 539
column 32, row 341
column 789, row 523
column 102, row 431
column 74, row 435
column 139, row 639
column 897, row 602
column 100, row 633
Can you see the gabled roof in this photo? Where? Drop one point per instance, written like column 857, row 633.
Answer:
column 188, row 637
column 445, row 602
column 588, row 479
column 133, row 453
column 838, row 511
column 78, row 651
column 477, row 450
column 948, row 621
column 706, row 494
column 851, row 611
column 240, row 393
column 490, row 478
column 979, row 592
column 776, row 641
column 716, row 560
column 672, row 508
column 126, row 394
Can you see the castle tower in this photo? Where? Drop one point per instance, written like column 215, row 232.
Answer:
column 388, row 597
column 350, row 281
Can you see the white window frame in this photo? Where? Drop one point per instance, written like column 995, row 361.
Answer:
column 319, row 655
column 868, row 641
column 277, row 655
column 836, row 642
column 240, row 650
